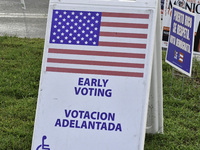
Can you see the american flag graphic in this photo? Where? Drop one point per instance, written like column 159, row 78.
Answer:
column 100, row 43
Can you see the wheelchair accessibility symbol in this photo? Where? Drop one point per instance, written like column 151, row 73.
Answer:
column 43, row 146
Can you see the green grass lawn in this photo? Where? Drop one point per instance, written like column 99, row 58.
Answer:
column 20, row 66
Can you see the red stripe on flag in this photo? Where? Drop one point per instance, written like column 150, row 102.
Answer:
column 127, row 35
column 96, row 72
column 97, row 63
column 96, row 53
column 125, row 15
column 127, row 45
column 124, row 25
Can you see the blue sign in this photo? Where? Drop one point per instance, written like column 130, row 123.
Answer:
column 181, row 39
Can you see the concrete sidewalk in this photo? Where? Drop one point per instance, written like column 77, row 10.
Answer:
column 20, row 22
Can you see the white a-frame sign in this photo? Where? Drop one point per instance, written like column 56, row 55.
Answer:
column 101, row 60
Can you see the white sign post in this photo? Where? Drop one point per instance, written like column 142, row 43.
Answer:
column 96, row 76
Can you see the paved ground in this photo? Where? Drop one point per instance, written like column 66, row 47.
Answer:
column 29, row 22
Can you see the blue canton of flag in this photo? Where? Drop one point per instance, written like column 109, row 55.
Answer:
column 75, row 27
